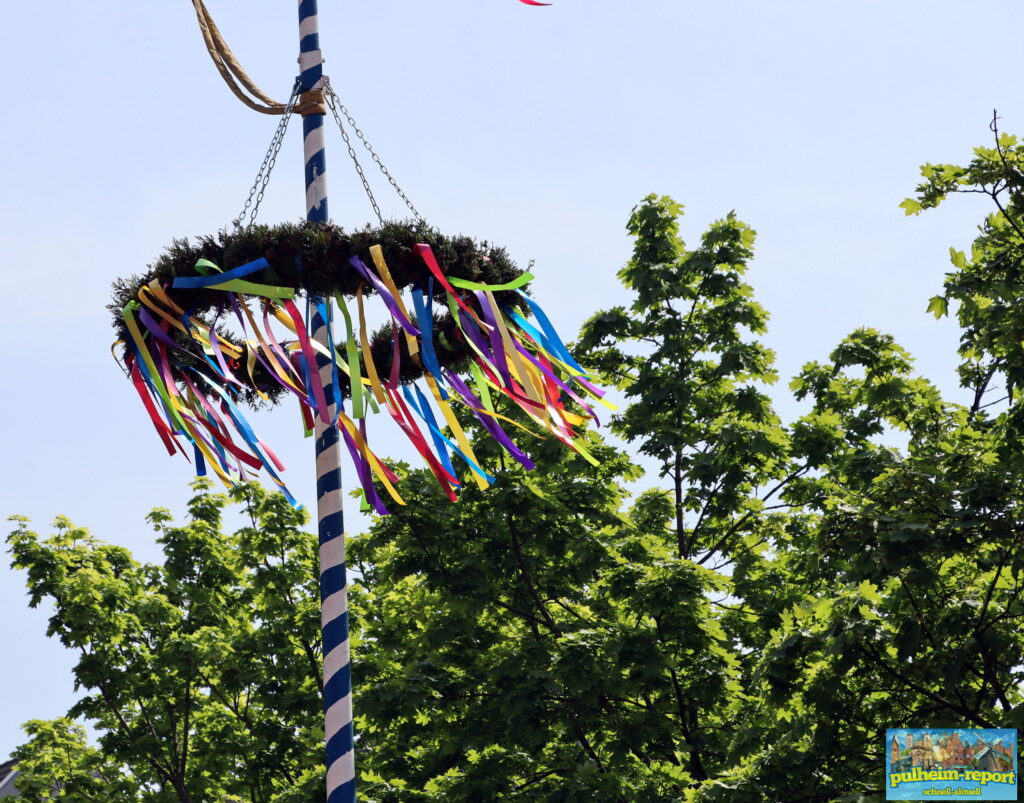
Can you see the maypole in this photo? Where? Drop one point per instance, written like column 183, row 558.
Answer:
column 337, row 668
column 469, row 311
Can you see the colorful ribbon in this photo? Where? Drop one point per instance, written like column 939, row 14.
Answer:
column 189, row 377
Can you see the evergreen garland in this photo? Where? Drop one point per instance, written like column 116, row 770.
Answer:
column 313, row 258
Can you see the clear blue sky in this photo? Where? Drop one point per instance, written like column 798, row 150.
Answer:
column 536, row 128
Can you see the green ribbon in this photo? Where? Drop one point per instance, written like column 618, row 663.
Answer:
column 203, row 267
column 515, row 284
column 355, row 368
column 264, row 290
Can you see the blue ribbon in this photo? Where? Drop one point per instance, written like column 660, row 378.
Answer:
column 553, row 342
column 425, row 320
column 250, row 438
column 427, row 415
column 436, row 433
column 195, row 282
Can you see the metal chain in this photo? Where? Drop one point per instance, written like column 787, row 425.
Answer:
column 259, row 186
column 352, row 154
column 335, row 104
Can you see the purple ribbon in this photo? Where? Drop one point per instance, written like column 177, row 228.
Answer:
column 364, row 473
column 392, row 304
column 155, row 328
column 486, row 421
column 551, row 375
column 497, row 346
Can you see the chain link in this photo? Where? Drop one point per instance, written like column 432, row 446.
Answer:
column 338, row 109
column 259, row 186
column 353, row 156
column 335, row 105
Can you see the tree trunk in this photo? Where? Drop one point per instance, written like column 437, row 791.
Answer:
column 677, row 477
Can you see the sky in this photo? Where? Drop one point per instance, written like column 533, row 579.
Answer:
column 534, row 128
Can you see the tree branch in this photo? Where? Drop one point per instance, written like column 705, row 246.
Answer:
column 964, row 711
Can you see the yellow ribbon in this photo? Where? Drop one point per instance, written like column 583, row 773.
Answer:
column 453, row 424
column 364, row 342
column 370, row 457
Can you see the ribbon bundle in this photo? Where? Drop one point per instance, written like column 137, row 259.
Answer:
column 196, row 400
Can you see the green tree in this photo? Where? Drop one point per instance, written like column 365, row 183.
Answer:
column 869, row 584
column 534, row 642
column 201, row 675
column 695, row 379
column 58, row 763
column 904, row 563
column 745, row 634
column 566, row 648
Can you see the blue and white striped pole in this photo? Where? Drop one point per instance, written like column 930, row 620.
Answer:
column 337, row 675
column 310, row 77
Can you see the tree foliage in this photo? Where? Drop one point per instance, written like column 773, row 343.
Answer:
column 58, row 762
column 534, row 642
column 200, row 674
column 899, row 570
column 683, row 354
column 745, row 633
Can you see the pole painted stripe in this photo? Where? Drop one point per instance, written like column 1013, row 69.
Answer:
column 307, row 8
column 331, row 526
column 308, row 79
column 327, row 482
column 316, row 166
column 337, row 660
column 346, row 793
column 317, row 187
column 315, row 170
column 324, row 446
column 335, row 633
column 313, row 141
column 308, row 26
column 319, row 132
column 310, row 60
column 336, row 687
column 332, row 553
column 326, row 375
column 342, row 709
column 324, row 366
column 315, row 200
column 330, row 498
column 310, row 42
column 323, row 464
column 325, row 438
column 333, row 606
column 326, row 441
column 325, row 371
column 339, row 744
column 329, row 435
column 340, row 772
column 333, row 579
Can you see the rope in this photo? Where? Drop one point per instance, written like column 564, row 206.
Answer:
column 233, row 74
column 311, row 102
